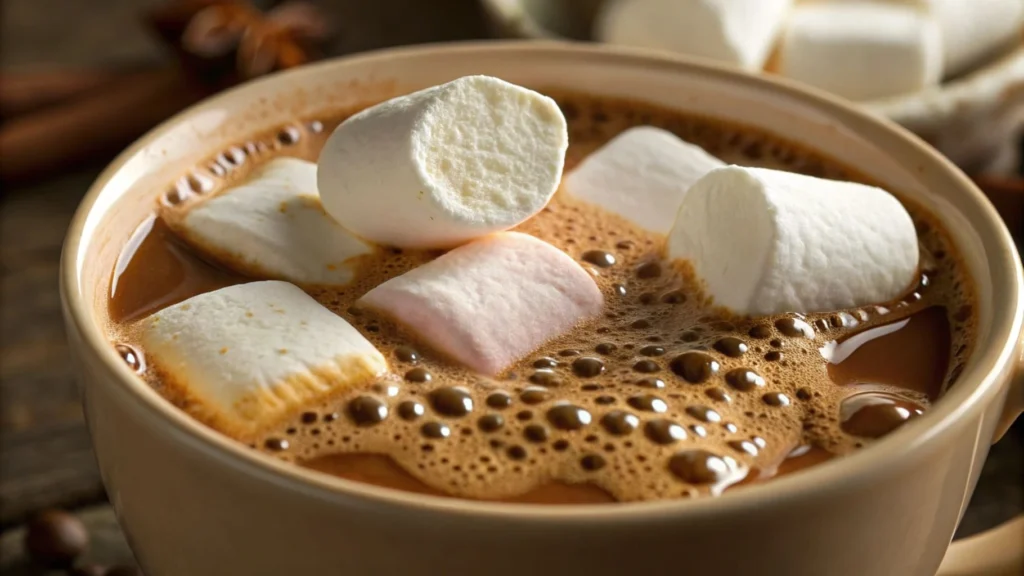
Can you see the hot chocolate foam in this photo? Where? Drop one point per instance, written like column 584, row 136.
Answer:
column 661, row 397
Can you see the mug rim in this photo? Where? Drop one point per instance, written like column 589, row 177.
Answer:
column 984, row 375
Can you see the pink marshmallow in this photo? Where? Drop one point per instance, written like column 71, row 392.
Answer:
column 491, row 302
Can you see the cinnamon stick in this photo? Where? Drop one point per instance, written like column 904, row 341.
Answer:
column 93, row 127
column 23, row 92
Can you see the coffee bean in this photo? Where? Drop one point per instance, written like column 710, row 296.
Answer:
column 55, row 538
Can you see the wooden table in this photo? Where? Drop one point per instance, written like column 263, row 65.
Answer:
column 45, row 454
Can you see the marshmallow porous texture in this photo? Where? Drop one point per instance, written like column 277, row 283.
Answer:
column 244, row 356
column 862, row 50
column 739, row 32
column 444, row 165
column 766, row 242
column 272, row 225
column 491, row 302
column 641, row 175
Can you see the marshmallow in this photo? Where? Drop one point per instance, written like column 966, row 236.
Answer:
column 740, row 32
column 766, row 242
column 490, row 302
column 444, row 165
column 862, row 50
column 973, row 29
column 641, row 175
column 272, row 226
column 246, row 355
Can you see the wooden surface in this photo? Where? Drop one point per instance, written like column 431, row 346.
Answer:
column 45, row 455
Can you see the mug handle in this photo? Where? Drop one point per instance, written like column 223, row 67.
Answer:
column 999, row 551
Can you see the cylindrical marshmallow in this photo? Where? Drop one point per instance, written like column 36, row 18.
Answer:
column 973, row 29
column 862, row 50
column 766, row 242
column 444, row 165
column 740, row 32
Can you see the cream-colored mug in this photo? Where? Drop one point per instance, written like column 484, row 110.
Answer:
column 194, row 503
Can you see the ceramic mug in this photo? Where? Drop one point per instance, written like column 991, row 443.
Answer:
column 195, row 503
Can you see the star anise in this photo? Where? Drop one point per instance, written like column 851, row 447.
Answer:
column 234, row 33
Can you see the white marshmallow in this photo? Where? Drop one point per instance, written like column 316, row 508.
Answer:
column 973, row 29
column 766, row 242
column 246, row 355
column 444, row 165
column 740, row 32
column 272, row 226
column 490, row 302
column 862, row 50
column 641, row 175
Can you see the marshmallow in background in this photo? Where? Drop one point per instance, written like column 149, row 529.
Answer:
column 272, row 226
column 862, row 50
column 247, row 355
column 641, row 175
column 444, row 165
column 973, row 29
column 767, row 242
column 740, row 32
column 490, row 302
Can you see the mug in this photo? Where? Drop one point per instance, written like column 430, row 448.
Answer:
column 195, row 503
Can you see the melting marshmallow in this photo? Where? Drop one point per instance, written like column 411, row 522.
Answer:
column 246, row 355
column 641, row 175
column 490, row 302
column 273, row 226
column 444, row 165
column 973, row 29
column 862, row 50
column 766, row 242
column 740, row 32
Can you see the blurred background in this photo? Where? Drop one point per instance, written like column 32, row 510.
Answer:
column 80, row 80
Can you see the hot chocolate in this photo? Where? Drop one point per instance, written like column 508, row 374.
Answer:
column 661, row 396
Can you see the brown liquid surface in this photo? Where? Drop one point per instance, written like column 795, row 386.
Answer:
column 662, row 397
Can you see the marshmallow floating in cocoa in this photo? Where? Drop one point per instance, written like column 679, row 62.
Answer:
column 444, row 165
column 490, row 302
column 641, row 175
column 246, row 355
column 272, row 225
column 766, row 242
column 740, row 32
column 862, row 50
